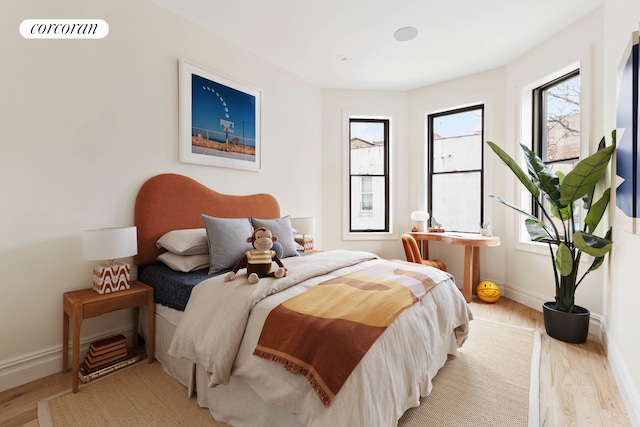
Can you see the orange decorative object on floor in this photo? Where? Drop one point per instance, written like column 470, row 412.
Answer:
column 488, row 291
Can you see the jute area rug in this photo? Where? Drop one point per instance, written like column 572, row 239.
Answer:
column 493, row 381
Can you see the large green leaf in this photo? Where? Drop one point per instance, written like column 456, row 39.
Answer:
column 538, row 232
column 590, row 244
column 563, row 213
column 597, row 211
column 564, row 260
column 543, row 177
column 583, row 178
column 516, row 169
column 598, row 261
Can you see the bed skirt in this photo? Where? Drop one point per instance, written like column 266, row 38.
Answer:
column 237, row 403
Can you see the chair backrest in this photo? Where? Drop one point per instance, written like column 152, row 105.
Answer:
column 411, row 250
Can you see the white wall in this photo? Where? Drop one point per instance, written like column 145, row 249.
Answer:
column 483, row 88
column 508, row 265
column 84, row 123
column 335, row 103
column 581, row 42
column 408, row 170
column 621, row 19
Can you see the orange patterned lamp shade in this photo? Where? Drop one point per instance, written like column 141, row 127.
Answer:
column 109, row 244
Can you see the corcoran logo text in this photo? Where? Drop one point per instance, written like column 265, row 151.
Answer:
column 64, row 29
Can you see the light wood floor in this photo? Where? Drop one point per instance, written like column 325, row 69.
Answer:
column 576, row 383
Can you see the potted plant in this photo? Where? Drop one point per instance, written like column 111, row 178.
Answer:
column 559, row 230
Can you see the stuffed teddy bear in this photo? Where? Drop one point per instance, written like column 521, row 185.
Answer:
column 258, row 260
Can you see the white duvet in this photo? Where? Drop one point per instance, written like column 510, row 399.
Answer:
column 223, row 320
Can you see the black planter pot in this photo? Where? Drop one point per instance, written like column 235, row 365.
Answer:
column 568, row 327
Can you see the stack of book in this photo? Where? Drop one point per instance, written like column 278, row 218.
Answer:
column 106, row 356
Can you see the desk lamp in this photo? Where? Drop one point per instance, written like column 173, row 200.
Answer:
column 420, row 217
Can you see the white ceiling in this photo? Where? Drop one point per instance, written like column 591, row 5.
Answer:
column 456, row 37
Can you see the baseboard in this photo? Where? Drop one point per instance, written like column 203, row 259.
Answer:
column 628, row 389
column 48, row 361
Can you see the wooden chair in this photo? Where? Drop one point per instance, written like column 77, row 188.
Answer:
column 412, row 253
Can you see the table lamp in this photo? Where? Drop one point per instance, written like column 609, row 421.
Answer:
column 420, row 217
column 108, row 244
column 305, row 226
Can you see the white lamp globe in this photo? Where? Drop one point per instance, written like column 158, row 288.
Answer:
column 420, row 217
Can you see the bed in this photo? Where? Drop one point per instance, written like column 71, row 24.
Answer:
column 208, row 331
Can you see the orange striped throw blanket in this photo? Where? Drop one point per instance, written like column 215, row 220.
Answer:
column 324, row 332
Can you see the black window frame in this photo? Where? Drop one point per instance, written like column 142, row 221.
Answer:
column 386, row 125
column 539, row 135
column 431, row 173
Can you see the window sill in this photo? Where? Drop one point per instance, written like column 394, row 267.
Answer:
column 370, row 236
column 543, row 249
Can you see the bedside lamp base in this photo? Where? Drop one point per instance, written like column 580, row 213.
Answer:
column 109, row 278
column 305, row 241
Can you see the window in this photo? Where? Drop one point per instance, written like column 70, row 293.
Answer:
column 456, row 168
column 556, row 127
column 367, row 194
column 368, row 175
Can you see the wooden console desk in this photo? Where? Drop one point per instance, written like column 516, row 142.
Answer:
column 472, row 243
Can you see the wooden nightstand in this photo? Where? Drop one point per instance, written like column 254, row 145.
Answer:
column 85, row 303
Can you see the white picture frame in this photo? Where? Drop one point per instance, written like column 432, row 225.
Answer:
column 219, row 120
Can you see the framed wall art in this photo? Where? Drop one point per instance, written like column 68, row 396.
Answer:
column 219, row 120
column 627, row 133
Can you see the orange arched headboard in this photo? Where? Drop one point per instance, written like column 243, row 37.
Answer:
column 172, row 202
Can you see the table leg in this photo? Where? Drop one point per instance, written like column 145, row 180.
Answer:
column 468, row 273
column 475, row 270
column 424, row 249
column 151, row 333
column 76, row 321
column 65, row 342
column 136, row 314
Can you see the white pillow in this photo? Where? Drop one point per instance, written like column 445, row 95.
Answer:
column 184, row 263
column 185, row 242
